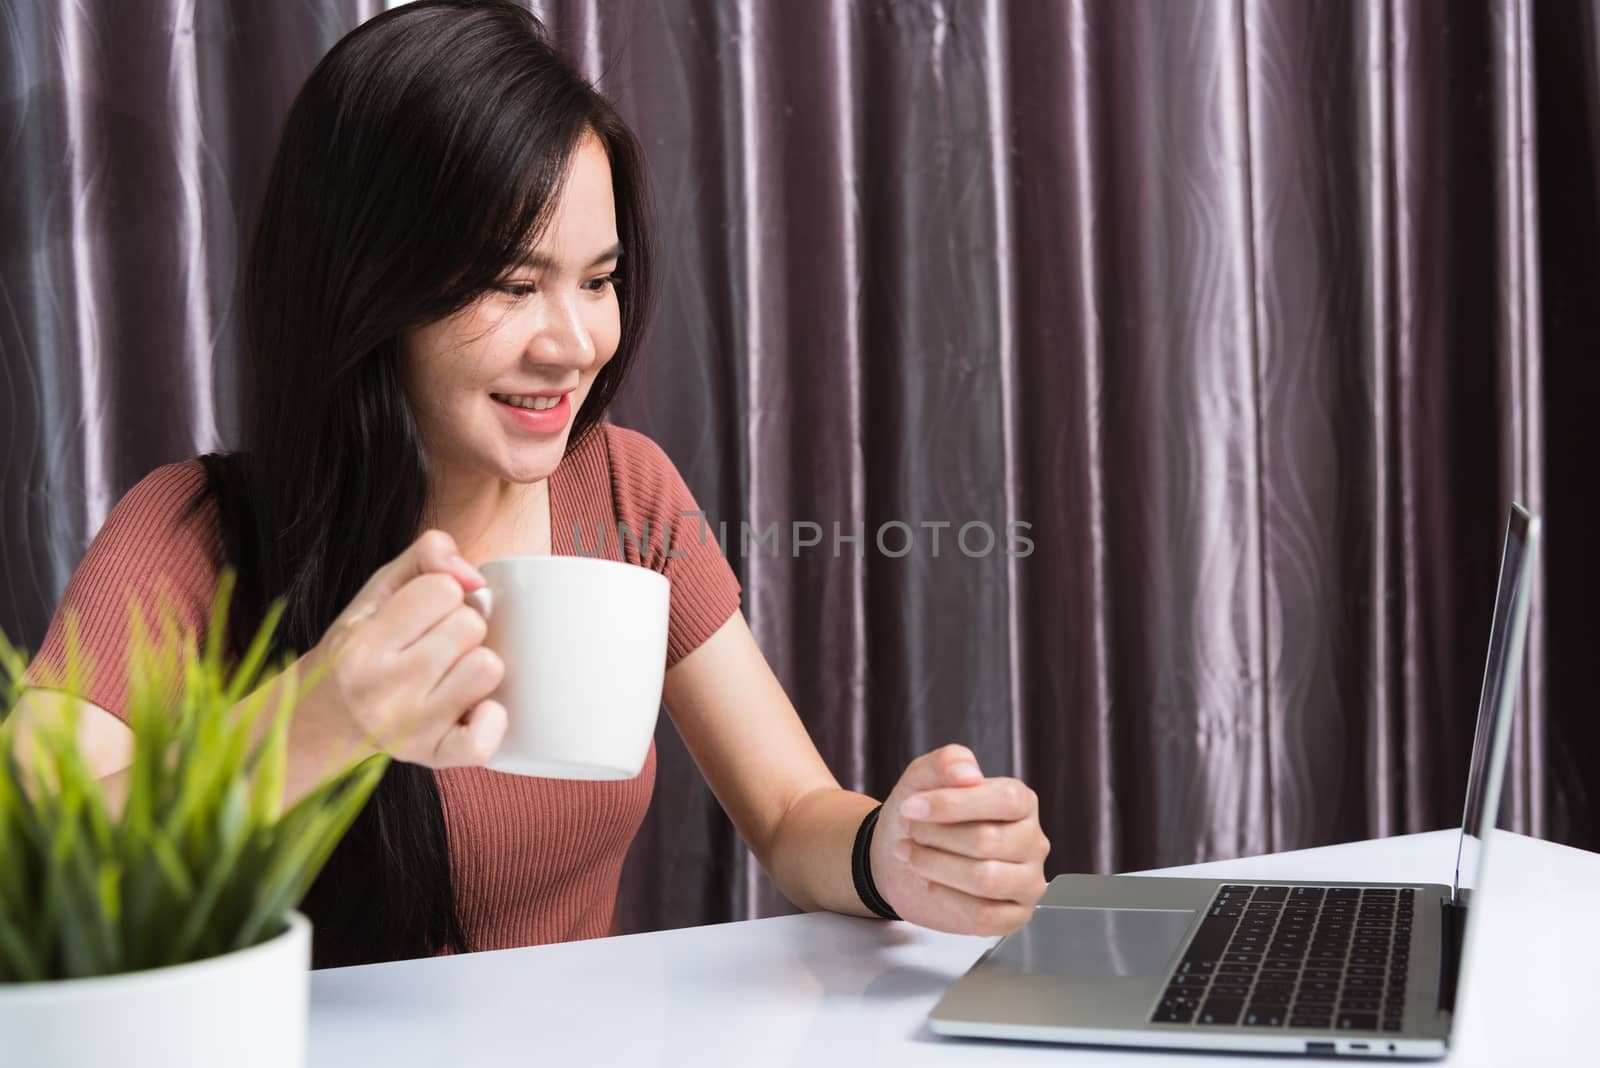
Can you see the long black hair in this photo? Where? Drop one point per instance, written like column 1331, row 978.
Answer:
column 418, row 160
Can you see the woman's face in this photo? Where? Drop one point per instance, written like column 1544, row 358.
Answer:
column 538, row 338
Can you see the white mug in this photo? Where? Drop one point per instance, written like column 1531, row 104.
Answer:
column 584, row 642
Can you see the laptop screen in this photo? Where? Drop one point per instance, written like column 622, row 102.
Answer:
column 1492, row 739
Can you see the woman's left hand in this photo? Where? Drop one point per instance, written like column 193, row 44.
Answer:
column 957, row 852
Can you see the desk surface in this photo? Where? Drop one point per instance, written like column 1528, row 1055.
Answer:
column 828, row 990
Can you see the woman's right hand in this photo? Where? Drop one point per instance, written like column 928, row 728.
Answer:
column 406, row 670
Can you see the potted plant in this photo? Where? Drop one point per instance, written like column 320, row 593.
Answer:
column 163, row 934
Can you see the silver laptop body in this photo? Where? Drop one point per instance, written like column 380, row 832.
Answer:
column 1116, row 960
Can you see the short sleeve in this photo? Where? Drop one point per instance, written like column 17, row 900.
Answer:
column 672, row 535
column 146, row 554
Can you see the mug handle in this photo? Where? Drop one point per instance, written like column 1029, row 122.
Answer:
column 483, row 600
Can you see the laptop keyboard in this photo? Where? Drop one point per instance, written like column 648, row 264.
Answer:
column 1331, row 957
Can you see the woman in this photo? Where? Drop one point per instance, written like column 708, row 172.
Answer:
column 456, row 233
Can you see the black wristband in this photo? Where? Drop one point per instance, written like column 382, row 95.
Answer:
column 861, row 869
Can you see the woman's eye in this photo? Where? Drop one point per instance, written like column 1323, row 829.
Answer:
column 524, row 289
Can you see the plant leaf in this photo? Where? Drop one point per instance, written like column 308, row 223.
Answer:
column 171, row 865
column 17, row 957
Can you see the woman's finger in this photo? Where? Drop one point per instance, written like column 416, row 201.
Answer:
column 1004, row 800
column 414, row 611
column 435, row 652
column 470, row 679
column 472, row 739
column 1016, row 840
column 979, row 915
column 434, row 552
column 994, row 880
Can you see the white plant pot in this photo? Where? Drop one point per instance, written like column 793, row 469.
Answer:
column 242, row 1010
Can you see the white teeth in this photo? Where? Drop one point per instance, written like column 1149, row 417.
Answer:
column 538, row 404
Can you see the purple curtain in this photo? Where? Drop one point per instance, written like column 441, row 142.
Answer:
column 1133, row 391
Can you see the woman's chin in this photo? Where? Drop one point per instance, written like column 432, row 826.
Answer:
column 533, row 465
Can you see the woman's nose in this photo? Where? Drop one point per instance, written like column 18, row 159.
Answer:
column 562, row 337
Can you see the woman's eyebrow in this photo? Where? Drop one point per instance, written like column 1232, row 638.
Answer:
column 539, row 261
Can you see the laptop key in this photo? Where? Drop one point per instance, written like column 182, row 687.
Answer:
column 1263, row 1016
column 1211, row 939
column 1322, row 973
column 1220, row 1011
column 1229, row 990
column 1174, row 1014
column 1357, row 1021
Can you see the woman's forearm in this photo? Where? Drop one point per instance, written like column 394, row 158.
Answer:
column 810, row 851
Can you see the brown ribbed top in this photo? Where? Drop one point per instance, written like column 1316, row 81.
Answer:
column 534, row 860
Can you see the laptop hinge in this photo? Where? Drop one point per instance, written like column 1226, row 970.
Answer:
column 1452, row 924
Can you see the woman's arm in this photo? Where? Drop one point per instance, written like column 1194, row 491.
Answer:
column 764, row 769
column 970, row 861
column 403, row 669
column 106, row 742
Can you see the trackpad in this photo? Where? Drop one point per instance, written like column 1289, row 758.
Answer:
column 1084, row 942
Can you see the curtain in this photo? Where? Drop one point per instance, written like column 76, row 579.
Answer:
column 1132, row 391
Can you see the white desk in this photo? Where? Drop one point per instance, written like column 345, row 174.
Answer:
column 832, row 990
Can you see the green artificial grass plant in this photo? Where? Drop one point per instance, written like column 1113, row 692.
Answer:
column 202, row 859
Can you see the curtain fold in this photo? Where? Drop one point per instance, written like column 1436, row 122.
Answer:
column 1132, row 391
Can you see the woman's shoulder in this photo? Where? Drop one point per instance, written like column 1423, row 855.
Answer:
column 633, row 454
column 166, row 490
column 645, row 483
column 162, row 503
column 159, row 550
column 655, row 506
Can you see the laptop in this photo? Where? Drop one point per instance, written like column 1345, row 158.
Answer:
column 1260, row 966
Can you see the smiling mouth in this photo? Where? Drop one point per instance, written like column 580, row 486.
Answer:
column 531, row 403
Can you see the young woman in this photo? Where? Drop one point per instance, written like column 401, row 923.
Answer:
column 448, row 284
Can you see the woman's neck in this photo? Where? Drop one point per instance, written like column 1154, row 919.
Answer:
column 491, row 517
